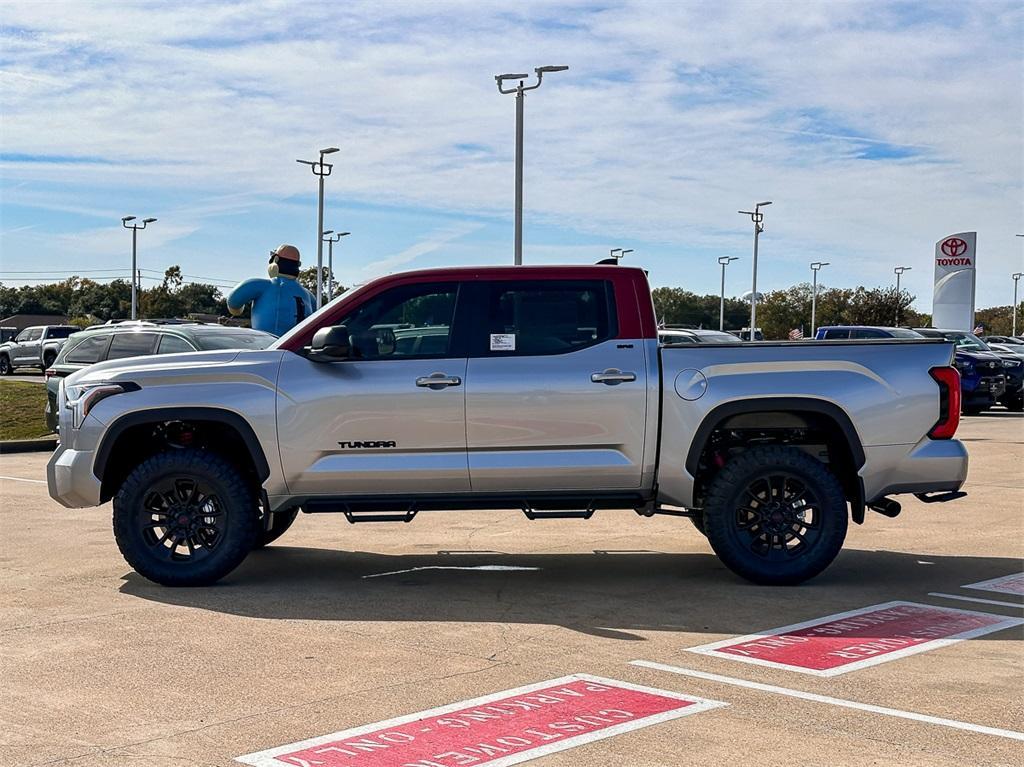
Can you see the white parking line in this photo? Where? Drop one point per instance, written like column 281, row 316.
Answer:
column 491, row 568
column 979, row 728
column 23, row 479
column 976, row 599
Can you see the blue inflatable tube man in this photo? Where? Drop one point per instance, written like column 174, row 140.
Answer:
column 278, row 304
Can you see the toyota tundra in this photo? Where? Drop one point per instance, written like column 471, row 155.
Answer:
column 538, row 388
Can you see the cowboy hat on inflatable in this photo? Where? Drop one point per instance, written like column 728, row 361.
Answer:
column 280, row 303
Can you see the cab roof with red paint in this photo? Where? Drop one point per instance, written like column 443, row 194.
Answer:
column 632, row 293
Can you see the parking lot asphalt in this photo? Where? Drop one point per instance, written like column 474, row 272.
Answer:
column 337, row 626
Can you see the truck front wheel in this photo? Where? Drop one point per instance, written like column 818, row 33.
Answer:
column 775, row 515
column 185, row 518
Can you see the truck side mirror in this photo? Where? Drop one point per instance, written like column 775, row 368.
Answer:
column 329, row 344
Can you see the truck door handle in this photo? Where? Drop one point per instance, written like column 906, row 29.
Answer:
column 612, row 377
column 438, row 381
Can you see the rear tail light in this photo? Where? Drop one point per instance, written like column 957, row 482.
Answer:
column 49, row 372
column 948, row 379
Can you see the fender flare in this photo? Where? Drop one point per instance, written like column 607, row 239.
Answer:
column 119, row 425
column 791, row 404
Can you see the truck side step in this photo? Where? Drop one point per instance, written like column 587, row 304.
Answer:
column 379, row 516
column 532, row 513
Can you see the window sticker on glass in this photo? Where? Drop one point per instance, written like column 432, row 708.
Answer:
column 503, row 342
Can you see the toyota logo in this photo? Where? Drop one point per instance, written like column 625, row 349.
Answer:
column 954, row 246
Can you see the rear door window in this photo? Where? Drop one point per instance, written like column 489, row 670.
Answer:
column 174, row 345
column 124, row 345
column 525, row 318
column 835, row 333
column 88, row 350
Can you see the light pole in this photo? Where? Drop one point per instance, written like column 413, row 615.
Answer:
column 757, row 217
column 520, row 90
column 899, row 273
column 320, row 169
column 618, row 253
column 1016, row 276
column 724, row 261
column 330, row 259
column 815, row 268
column 135, row 235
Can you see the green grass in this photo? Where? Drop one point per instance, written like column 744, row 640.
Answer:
column 21, row 410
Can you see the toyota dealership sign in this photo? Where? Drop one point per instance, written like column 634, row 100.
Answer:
column 953, row 297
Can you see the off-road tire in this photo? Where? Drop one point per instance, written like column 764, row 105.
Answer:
column 5, row 365
column 734, row 538
column 279, row 524
column 48, row 361
column 235, row 504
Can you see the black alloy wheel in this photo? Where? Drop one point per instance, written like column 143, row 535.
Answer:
column 775, row 515
column 185, row 517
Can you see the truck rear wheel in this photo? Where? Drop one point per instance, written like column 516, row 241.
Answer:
column 185, row 518
column 775, row 515
column 5, row 365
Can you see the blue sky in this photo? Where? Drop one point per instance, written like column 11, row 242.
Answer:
column 876, row 129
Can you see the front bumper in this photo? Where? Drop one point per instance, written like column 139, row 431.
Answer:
column 70, row 480
column 987, row 390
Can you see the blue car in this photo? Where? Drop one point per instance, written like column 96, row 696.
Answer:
column 983, row 380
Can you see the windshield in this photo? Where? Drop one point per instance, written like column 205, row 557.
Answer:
column 252, row 340
column 967, row 341
column 904, row 333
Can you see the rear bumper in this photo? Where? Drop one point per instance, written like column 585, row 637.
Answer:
column 932, row 465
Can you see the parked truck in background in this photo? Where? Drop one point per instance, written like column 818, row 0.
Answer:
column 35, row 346
column 540, row 388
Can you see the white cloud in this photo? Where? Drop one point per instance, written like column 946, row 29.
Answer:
column 671, row 118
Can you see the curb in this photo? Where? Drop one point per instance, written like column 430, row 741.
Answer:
column 44, row 445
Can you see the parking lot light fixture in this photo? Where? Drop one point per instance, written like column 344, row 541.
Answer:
column 758, row 218
column 622, row 254
column 320, row 169
column 135, row 241
column 1016, row 278
column 724, row 261
column 898, row 271
column 519, row 91
column 614, row 252
column 815, row 268
column 330, row 259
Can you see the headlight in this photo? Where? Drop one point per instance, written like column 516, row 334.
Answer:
column 80, row 399
column 1012, row 363
column 966, row 365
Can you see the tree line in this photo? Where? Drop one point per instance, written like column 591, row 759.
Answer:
column 86, row 301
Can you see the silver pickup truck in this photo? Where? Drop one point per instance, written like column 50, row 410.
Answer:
column 35, row 347
column 536, row 388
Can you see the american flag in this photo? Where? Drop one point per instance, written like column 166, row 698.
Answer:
column 979, row 330
column 796, row 334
